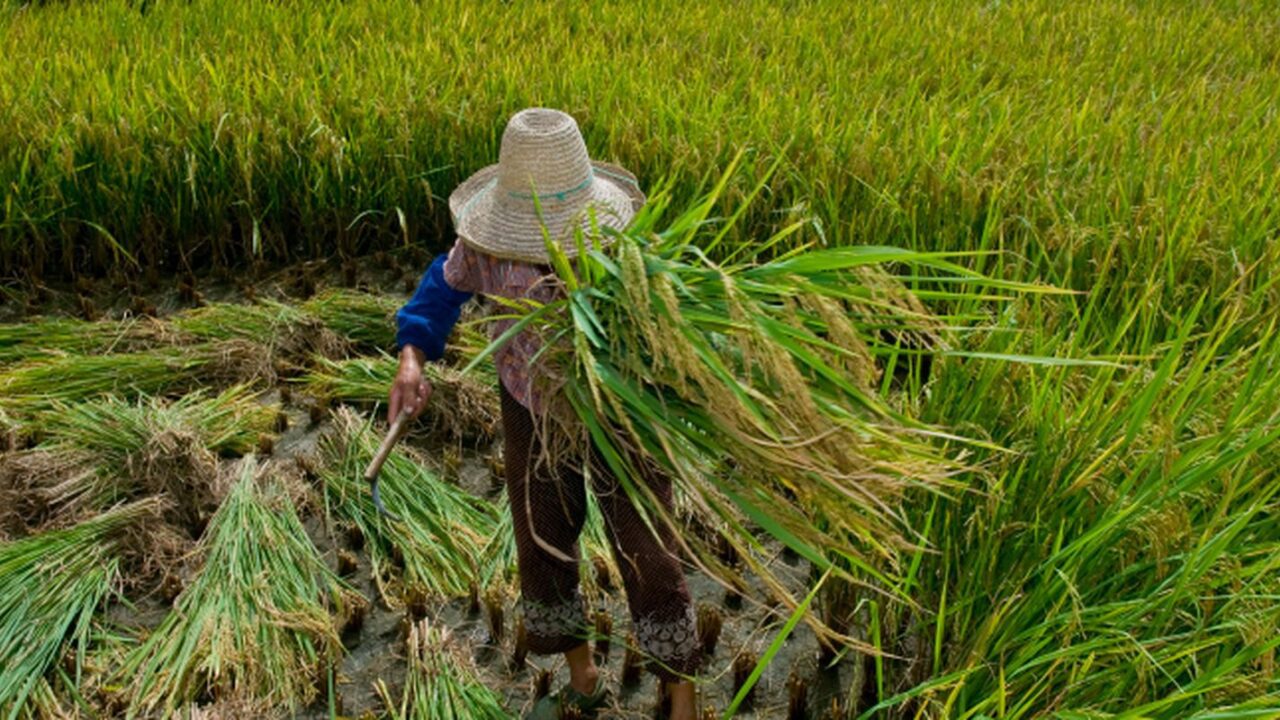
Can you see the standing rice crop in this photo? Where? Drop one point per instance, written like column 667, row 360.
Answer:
column 441, row 682
column 1065, row 133
column 445, row 528
column 51, row 584
column 1124, row 561
column 261, row 618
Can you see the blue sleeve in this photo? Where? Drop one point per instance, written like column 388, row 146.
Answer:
column 427, row 319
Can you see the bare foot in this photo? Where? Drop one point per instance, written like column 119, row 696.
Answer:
column 683, row 701
column 583, row 673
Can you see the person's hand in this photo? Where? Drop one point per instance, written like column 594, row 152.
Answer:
column 411, row 388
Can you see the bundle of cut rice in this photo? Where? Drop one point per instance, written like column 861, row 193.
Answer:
column 754, row 383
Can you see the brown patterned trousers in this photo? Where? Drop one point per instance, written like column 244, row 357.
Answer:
column 555, row 613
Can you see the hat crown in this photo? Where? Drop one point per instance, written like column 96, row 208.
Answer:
column 543, row 151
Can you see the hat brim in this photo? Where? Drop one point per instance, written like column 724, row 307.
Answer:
column 494, row 227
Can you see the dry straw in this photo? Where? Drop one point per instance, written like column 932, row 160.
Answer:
column 98, row 452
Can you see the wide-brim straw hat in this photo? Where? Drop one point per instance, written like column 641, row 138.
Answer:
column 542, row 152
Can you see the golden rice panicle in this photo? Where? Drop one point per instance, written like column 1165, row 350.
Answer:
column 635, row 283
column 678, row 359
column 855, row 361
column 893, row 302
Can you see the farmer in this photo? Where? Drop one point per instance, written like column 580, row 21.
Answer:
column 501, row 251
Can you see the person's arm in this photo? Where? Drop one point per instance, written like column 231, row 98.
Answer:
column 423, row 325
column 425, row 321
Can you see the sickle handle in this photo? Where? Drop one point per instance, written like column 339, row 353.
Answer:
column 384, row 450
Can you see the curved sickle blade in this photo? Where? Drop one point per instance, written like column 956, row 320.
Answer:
column 377, row 502
column 371, row 473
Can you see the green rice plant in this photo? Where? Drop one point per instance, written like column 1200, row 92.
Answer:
column 37, row 337
column 258, row 321
column 367, row 320
column 328, row 324
column 36, row 385
column 288, row 333
column 1131, row 541
column 332, row 324
column 437, row 547
column 54, row 338
column 112, row 427
column 152, row 445
column 53, row 584
column 497, row 559
column 261, row 618
column 442, row 683
column 462, row 405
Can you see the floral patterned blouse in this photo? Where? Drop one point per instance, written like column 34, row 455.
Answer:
column 473, row 271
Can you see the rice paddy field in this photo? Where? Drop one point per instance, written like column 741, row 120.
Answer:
column 1033, row 250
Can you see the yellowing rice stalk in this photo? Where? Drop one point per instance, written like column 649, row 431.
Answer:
column 37, row 337
column 36, row 385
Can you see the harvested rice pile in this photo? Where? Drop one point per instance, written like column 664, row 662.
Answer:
column 260, row 620
column 53, row 584
column 442, row 683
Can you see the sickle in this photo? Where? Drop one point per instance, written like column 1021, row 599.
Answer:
column 384, row 450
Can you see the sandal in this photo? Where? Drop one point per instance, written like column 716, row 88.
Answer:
column 551, row 707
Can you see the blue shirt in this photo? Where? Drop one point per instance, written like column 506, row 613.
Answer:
column 426, row 320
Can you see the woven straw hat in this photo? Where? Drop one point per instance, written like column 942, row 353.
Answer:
column 542, row 151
